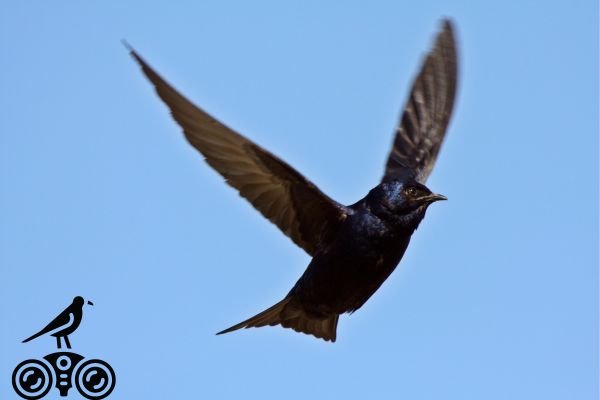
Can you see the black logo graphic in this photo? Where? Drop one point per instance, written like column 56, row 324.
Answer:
column 33, row 379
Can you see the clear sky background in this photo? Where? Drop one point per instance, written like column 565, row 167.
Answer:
column 100, row 196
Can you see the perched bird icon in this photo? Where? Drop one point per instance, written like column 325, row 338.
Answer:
column 353, row 248
column 65, row 323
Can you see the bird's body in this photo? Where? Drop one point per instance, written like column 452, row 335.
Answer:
column 353, row 248
column 342, row 277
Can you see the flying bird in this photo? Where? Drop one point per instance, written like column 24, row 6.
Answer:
column 65, row 323
column 354, row 248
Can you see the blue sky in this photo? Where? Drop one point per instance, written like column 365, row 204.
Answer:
column 100, row 196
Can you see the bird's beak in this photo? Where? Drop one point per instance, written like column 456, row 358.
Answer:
column 90, row 303
column 432, row 198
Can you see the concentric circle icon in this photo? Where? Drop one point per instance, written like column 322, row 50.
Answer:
column 95, row 379
column 63, row 363
column 32, row 379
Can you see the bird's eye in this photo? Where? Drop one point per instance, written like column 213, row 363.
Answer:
column 411, row 191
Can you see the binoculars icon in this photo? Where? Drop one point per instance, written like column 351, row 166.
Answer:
column 33, row 379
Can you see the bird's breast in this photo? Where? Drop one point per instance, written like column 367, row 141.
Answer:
column 343, row 276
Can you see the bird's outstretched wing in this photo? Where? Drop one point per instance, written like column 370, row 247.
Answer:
column 421, row 129
column 278, row 191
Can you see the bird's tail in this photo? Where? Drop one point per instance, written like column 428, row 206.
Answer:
column 33, row 337
column 291, row 316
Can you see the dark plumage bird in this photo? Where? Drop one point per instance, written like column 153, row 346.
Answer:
column 65, row 323
column 354, row 248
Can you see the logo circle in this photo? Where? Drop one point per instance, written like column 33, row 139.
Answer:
column 95, row 379
column 63, row 363
column 32, row 379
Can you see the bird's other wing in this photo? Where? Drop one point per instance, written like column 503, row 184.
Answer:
column 278, row 191
column 423, row 124
column 64, row 320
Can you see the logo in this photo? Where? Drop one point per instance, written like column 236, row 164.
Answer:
column 33, row 379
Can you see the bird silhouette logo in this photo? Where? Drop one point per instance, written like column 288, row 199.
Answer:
column 65, row 323
column 94, row 379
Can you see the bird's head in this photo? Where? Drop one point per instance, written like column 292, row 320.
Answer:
column 401, row 202
column 79, row 302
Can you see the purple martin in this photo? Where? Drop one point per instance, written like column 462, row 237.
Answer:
column 354, row 248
